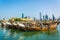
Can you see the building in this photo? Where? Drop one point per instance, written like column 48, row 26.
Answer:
column 43, row 18
column 46, row 17
column 53, row 17
column 34, row 18
column 22, row 15
column 40, row 16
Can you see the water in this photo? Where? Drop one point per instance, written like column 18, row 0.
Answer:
column 13, row 34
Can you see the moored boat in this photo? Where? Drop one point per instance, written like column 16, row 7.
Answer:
column 29, row 27
column 52, row 26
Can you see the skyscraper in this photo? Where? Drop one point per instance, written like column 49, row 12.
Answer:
column 43, row 17
column 40, row 16
column 34, row 18
column 53, row 17
column 46, row 17
column 22, row 15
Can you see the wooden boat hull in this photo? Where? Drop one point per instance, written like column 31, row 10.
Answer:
column 31, row 29
column 12, row 26
column 53, row 26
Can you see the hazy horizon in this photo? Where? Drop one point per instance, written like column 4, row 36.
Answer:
column 32, row 8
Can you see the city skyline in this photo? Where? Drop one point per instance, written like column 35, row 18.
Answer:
column 32, row 8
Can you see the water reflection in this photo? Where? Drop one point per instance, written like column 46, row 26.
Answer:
column 14, row 34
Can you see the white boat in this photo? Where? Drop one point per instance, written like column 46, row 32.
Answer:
column 3, row 24
column 20, row 24
column 8, row 23
column 14, row 24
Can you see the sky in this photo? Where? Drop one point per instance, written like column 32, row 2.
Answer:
column 32, row 8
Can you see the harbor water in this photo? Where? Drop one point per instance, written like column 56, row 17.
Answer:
column 14, row 34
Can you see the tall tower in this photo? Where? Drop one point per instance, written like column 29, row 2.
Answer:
column 53, row 17
column 46, row 17
column 43, row 17
column 22, row 15
column 40, row 16
column 34, row 18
